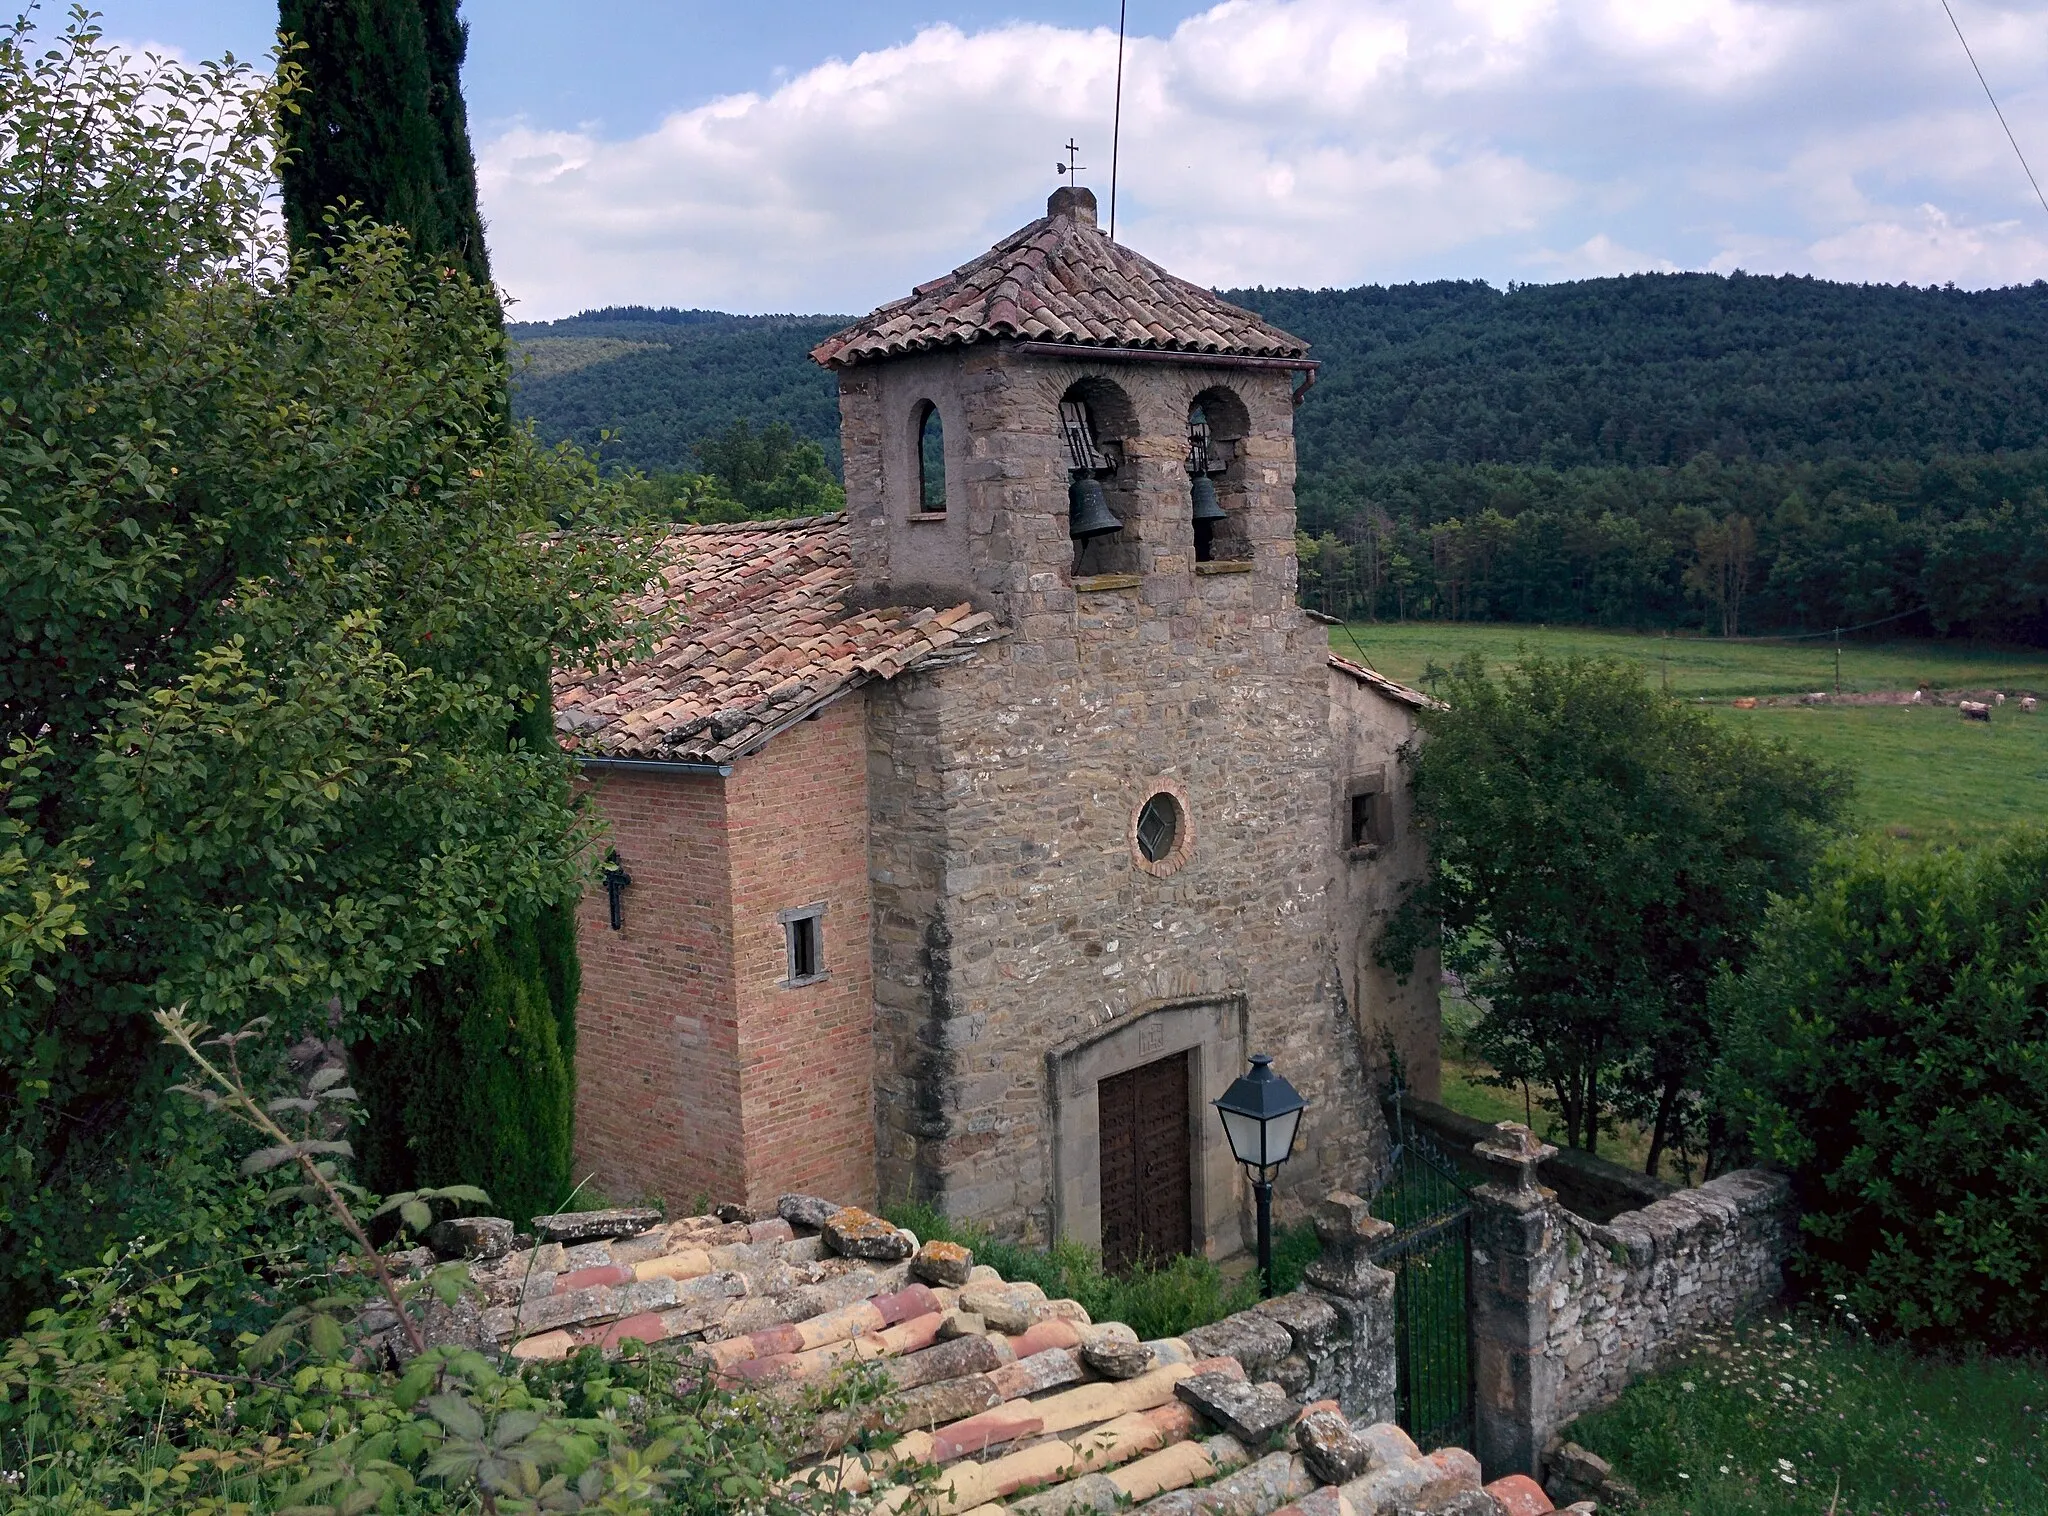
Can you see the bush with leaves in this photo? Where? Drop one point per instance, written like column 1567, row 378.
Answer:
column 274, row 581
column 1888, row 1045
column 250, row 1383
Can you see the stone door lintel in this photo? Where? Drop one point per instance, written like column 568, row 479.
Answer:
column 1215, row 1029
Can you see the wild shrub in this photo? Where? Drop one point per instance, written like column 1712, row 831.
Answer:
column 1888, row 1044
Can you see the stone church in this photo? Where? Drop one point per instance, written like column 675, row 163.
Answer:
column 968, row 843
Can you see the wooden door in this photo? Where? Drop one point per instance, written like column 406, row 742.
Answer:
column 1147, row 1175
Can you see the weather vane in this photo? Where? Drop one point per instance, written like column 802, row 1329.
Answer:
column 1070, row 168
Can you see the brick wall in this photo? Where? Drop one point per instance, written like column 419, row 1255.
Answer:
column 698, row 1073
column 797, row 818
column 657, row 1046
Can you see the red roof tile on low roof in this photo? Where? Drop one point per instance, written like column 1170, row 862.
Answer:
column 766, row 638
column 1374, row 679
column 1060, row 280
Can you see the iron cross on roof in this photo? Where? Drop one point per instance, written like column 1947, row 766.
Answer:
column 1070, row 168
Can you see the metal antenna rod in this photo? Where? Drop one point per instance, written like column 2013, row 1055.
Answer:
column 1116, row 130
column 2024, row 165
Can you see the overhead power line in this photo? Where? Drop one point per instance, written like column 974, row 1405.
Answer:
column 1994, row 106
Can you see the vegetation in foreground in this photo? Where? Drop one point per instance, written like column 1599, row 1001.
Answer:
column 275, row 585
column 1796, row 1416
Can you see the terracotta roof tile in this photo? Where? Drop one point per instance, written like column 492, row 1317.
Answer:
column 1059, row 280
column 1374, row 679
column 766, row 636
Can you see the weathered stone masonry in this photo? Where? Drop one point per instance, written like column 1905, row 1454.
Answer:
column 1567, row 1311
column 1010, row 917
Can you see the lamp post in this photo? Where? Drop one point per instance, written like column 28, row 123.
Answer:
column 1261, row 1113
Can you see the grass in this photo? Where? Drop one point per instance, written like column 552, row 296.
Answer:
column 1922, row 773
column 1164, row 1299
column 1776, row 1416
column 1702, row 666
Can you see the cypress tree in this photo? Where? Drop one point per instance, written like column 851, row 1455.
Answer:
column 480, row 1087
column 382, row 124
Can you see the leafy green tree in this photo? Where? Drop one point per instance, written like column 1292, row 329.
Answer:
column 1597, row 851
column 771, row 472
column 274, row 577
column 380, row 127
column 1888, row 1044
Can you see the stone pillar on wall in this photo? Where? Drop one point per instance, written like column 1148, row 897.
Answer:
column 1359, row 1372
column 1518, row 1257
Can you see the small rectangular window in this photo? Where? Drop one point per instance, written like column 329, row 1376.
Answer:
column 804, row 930
column 1371, row 822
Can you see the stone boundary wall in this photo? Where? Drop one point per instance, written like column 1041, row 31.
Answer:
column 1565, row 1311
column 1641, row 1288
column 1586, row 1183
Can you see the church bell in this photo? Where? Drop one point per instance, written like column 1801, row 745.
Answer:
column 1207, row 507
column 1088, row 512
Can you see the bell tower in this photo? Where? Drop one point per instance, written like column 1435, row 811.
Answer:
column 1100, row 855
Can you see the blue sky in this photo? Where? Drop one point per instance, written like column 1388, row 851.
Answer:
column 777, row 155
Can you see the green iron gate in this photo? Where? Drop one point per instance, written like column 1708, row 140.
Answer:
column 1424, row 1197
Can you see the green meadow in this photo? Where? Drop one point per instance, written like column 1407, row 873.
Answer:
column 1923, row 774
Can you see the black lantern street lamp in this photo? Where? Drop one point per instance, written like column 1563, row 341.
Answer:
column 1261, row 1113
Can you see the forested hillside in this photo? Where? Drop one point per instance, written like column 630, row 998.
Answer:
column 665, row 380
column 1740, row 454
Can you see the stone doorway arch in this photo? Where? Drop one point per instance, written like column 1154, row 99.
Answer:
column 1212, row 1032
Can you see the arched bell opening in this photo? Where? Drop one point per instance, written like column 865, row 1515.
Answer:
column 1218, row 423
column 1096, row 421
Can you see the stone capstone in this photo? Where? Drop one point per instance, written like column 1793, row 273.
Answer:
column 943, row 1263
column 1113, row 1358
column 957, row 1323
column 1335, row 1454
column 1004, row 1307
column 1258, row 1342
column 595, row 1226
column 853, row 1233
column 1251, row 1413
column 1309, row 1320
column 808, row 1212
column 1572, row 1473
column 478, row 1237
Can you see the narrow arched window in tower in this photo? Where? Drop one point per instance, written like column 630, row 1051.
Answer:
column 1201, row 464
column 931, row 460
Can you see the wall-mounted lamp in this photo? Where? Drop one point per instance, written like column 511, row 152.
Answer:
column 616, row 879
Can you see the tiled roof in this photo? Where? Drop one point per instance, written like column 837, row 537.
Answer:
column 1060, row 280
column 1007, row 1402
column 766, row 638
column 1374, row 679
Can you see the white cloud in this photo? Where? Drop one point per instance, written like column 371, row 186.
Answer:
column 1320, row 142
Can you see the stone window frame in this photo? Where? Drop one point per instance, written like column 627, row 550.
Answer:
column 791, row 921
column 921, row 414
column 1368, row 782
column 1184, row 833
column 1215, row 1030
